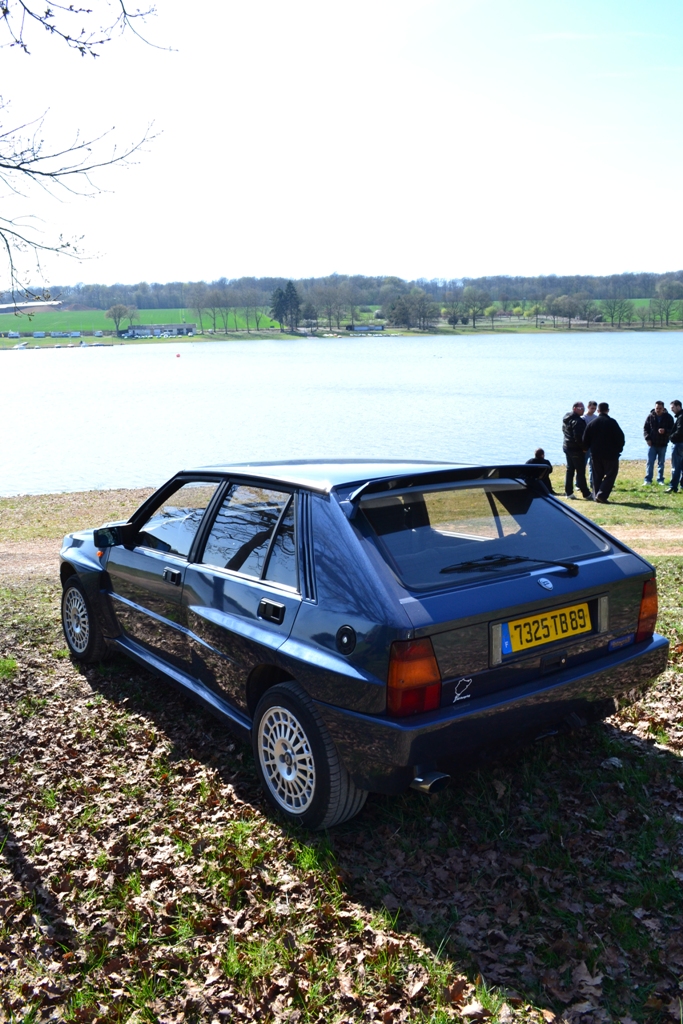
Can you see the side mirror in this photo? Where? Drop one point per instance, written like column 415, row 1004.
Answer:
column 112, row 535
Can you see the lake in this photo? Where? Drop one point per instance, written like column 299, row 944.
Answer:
column 80, row 419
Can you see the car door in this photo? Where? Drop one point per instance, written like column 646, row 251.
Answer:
column 242, row 596
column 146, row 581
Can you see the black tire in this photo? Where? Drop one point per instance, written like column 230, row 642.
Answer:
column 313, row 788
column 81, row 631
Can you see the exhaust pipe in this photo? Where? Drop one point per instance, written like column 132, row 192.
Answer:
column 429, row 782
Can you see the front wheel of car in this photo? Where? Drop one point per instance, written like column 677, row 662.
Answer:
column 297, row 761
column 81, row 631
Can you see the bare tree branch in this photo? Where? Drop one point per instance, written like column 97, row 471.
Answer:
column 17, row 17
column 26, row 160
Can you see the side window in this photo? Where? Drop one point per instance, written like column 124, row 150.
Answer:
column 241, row 535
column 173, row 525
column 281, row 566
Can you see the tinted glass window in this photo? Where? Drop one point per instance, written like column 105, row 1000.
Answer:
column 441, row 537
column 243, row 529
column 282, row 562
column 172, row 526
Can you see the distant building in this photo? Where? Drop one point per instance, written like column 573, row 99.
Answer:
column 157, row 330
column 37, row 306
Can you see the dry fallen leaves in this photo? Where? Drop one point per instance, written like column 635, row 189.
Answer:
column 138, row 853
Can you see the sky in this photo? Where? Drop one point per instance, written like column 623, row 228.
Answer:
column 421, row 138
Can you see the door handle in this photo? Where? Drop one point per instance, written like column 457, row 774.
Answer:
column 173, row 576
column 272, row 611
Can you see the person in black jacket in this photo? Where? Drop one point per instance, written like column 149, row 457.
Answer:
column 573, row 427
column 658, row 426
column 605, row 438
column 539, row 459
column 676, row 438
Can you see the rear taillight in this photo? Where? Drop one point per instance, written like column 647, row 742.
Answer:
column 647, row 617
column 414, row 681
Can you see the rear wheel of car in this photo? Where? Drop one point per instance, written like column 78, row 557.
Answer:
column 297, row 761
column 81, row 631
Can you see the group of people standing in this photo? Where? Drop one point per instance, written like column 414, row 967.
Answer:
column 662, row 428
column 591, row 434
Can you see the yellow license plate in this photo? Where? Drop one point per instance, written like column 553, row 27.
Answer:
column 521, row 634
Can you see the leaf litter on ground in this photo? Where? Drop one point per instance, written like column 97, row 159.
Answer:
column 142, row 878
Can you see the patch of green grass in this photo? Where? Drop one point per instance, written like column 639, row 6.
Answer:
column 29, row 705
column 631, row 504
column 49, row 798
column 8, row 668
column 118, row 734
column 148, row 988
column 88, row 321
column 249, row 961
column 84, row 998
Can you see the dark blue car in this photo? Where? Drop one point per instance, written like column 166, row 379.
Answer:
column 367, row 624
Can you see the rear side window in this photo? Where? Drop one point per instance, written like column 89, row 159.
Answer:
column 281, row 566
column 172, row 526
column 447, row 536
column 245, row 537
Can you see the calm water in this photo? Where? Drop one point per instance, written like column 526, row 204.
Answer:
column 76, row 419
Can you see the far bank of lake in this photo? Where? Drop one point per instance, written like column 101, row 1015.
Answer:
column 131, row 415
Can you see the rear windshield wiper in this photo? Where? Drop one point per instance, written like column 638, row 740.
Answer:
column 501, row 561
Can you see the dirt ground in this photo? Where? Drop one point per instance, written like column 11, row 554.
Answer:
column 23, row 560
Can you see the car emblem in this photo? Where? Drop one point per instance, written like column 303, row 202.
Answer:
column 545, row 583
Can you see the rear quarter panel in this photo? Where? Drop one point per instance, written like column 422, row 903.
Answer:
column 348, row 593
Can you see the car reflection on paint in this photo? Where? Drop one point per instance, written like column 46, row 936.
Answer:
column 366, row 625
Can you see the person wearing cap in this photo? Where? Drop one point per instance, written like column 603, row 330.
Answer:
column 606, row 440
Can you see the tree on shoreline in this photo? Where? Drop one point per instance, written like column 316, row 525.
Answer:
column 476, row 301
column 278, row 308
column 117, row 313
column 292, row 306
column 197, row 298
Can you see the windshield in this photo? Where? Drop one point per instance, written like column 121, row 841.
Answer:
column 435, row 538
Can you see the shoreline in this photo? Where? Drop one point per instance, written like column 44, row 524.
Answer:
column 649, row 520
column 32, row 344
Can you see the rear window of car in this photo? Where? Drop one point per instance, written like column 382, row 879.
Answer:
column 449, row 535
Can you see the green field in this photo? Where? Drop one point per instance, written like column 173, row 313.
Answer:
column 95, row 320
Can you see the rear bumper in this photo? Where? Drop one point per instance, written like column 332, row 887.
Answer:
column 380, row 752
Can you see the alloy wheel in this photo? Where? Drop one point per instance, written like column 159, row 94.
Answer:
column 76, row 620
column 286, row 759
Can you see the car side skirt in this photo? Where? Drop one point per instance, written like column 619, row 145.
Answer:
column 238, row 722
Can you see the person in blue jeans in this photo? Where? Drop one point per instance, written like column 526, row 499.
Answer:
column 676, row 439
column 658, row 426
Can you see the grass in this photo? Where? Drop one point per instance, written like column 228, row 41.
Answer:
column 88, row 321
column 631, row 504
column 51, row 516
column 95, row 320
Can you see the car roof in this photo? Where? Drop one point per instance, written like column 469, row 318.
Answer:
column 324, row 474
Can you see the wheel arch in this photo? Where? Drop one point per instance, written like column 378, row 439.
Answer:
column 66, row 571
column 262, row 678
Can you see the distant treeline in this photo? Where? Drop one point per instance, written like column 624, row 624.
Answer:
column 356, row 291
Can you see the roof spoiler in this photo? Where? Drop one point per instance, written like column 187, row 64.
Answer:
column 527, row 471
